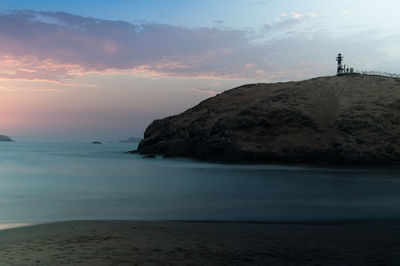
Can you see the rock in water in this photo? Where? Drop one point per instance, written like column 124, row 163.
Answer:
column 346, row 119
column 5, row 138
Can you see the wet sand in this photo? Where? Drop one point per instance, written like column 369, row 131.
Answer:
column 195, row 243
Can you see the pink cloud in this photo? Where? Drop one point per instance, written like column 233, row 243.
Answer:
column 58, row 46
column 32, row 67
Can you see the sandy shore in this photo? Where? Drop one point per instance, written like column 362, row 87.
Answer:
column 193, row 243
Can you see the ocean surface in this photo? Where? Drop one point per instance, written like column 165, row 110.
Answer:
column 46, row 182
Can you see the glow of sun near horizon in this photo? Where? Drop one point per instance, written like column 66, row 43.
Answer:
column 73, row 70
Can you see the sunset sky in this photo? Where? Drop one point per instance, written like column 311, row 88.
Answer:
column 103, row 70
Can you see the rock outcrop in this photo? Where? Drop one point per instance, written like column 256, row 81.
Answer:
column 347, row 119
column 4, row 138
column 131, row 140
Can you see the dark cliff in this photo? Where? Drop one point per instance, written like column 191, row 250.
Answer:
column 347, row 119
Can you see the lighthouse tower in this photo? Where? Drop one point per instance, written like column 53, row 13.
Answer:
column 340, row 68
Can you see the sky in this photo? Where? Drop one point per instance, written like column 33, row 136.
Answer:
column 103, row 70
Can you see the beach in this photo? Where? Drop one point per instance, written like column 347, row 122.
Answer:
column 202, row 243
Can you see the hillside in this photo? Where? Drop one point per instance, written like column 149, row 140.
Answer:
column 346, row 119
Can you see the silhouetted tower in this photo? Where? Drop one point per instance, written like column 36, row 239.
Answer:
column 340, row 68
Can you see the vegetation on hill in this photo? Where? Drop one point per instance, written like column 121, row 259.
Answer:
column 346, row 119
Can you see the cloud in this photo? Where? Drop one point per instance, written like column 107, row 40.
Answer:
column 57, row 46
column 288, row 21
column 281, row 24
column 46, row 90
column 8, row 88
column 218, row 21
column 210, row 92
column 46, row 45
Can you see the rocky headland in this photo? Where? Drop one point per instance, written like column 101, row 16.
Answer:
column 4, row 138
column 337, row 119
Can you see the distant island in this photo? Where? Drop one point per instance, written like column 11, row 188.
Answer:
column 4, row 138
column 97, row 142
column 131, row 140
column 337, row 119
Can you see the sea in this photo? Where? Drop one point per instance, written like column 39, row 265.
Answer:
column 49, row 182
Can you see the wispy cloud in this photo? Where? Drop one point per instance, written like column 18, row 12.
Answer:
column 45, row 45
column 211, row 92
column 46, row 90
column 8, row 88
column 288, row 20
column 58, row 46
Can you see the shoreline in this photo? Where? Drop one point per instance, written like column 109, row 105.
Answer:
column 202, row 243
column 307, row 163
column 7, row 226
column 12, row 225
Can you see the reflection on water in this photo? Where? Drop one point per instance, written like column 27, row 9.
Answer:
column 50, row 182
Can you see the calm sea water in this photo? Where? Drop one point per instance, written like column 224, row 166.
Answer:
column 42, row 182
